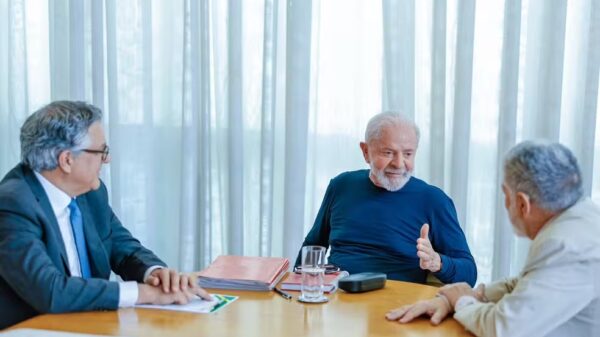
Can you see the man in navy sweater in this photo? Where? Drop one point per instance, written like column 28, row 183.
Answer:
column 384, row 220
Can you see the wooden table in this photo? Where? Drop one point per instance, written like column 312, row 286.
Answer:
column 266, row 314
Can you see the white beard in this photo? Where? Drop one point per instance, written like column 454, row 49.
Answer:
column 391, row 185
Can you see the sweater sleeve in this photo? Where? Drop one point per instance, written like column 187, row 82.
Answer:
column 448, row 240
column 319, row 233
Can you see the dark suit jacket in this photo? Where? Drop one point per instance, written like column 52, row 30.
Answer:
column 34, row 273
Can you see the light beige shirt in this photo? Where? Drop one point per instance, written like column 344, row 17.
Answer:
column 558, row 291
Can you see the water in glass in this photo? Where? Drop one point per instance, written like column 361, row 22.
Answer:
column 312, row 283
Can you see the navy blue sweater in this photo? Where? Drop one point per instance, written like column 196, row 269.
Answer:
column 371, row 229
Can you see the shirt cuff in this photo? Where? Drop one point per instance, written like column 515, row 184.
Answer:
column 464, row 301
column 128, row 294
column 150, row 270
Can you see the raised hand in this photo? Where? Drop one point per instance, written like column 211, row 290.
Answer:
column 428, row 258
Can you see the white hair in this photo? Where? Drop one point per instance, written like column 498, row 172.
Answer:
column 388, row 118
column 58, row 126
column 547, row 172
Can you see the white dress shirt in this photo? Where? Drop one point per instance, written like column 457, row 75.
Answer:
column 59, row 200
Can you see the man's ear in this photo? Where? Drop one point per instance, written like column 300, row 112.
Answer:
column 65, row 160
column 365, row 151
column 523, row 204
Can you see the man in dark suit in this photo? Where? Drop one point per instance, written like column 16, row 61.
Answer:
column 59, row 238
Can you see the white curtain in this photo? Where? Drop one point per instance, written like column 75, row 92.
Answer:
column 226, row 119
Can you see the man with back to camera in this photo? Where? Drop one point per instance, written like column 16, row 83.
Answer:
column 384, row 220
column 558, row 291
column 59, row 238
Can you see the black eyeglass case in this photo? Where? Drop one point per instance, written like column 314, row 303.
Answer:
column 361, row 282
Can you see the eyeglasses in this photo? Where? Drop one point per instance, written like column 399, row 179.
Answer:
column 329, row 269
column 105, row 152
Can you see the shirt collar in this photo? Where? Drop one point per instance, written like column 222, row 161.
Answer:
column 58, row 199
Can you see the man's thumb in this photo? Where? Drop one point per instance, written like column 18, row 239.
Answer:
column 425, row 231
column 152, row 280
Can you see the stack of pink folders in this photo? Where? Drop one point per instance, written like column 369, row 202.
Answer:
column 243, row 272
column 330, row 281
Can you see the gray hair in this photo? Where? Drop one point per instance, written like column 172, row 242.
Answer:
column 56, row 127
column 547, row 172
column 388, row 118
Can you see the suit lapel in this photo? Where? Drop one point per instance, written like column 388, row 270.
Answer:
column 48, row 214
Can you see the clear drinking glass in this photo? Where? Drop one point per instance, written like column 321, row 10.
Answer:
column 313, row 271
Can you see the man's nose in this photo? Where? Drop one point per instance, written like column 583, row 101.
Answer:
column 398, row 162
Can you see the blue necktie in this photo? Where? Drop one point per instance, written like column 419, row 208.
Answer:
column 77, row 225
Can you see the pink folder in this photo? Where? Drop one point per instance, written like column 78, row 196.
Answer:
column 243, row 272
